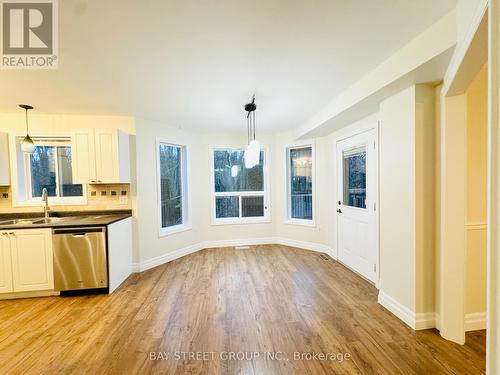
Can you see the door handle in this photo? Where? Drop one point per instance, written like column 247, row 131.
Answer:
column 339, row 211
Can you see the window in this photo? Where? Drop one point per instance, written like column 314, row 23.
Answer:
column 49, row 167
column 355, row 177
column 239, row 194
column 300, row 185
column 172, row 181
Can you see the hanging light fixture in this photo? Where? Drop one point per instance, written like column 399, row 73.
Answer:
column 27, row 144
column 252, row 151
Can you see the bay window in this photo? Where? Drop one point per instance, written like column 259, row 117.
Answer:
column 172, row 188
column 300, row 184
column 240, row 194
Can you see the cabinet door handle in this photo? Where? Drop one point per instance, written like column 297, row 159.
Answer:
column 12, row 234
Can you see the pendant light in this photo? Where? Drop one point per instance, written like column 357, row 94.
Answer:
column 252, row 151
column 27, row 144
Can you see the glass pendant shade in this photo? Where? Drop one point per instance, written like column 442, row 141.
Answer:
column 252, row 154
column 27, row 145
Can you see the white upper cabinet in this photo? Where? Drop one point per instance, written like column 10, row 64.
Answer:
column 4, row 160
column 83, row 156
column 100, row 156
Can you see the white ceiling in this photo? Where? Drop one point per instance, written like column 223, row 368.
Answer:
column 195, row 63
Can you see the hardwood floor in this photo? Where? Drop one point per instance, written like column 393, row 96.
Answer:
column 267, row 299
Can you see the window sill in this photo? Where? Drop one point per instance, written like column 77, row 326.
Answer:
column 242, row 221
column 173, row 230
column 301, row 222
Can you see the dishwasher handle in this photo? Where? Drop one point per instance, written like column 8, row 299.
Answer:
column 79, row 232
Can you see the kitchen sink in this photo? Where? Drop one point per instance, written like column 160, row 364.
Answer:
column 49, row 220
column 36, row 220
column 17, row 221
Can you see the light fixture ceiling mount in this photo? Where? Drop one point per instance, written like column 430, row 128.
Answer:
column 252, row 151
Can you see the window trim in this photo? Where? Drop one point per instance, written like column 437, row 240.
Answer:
column 29, row 200
column 287, row 204
column 266, row 193
column 186, row 191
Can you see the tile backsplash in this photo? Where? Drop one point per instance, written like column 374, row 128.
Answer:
column 99, row 197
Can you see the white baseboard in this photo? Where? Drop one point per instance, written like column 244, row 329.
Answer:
column 416, row 321
column 165, row 258
column 237, row 242
column 475, row 321
column 306, row 245
column 425, row 321
column 168, row 257
column 36, row 293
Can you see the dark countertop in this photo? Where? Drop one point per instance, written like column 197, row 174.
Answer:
column 62, row 219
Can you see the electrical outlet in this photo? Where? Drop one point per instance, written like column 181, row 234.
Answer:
column 123, row 199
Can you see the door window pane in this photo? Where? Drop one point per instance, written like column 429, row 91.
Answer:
column 252, row 206
column 227, row 207
column 301, row 183
column 231, row 175
column 171, row 185
column 355, row 177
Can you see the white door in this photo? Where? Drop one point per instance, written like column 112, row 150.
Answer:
column 357, row 223
column 32, row 260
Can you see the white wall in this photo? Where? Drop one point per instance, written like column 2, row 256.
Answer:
column 397, row 197
column 493, row 288
column 150, row 244
column 60, row 124
column 466, row 11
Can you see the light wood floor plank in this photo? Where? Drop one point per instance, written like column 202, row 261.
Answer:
column 270, row 298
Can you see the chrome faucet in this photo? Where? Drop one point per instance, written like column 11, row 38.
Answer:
column 45, row 198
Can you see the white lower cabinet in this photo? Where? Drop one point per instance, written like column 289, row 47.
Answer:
column 5, row 264
column 31, row 261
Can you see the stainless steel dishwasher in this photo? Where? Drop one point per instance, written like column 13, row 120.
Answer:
column 80, row 260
